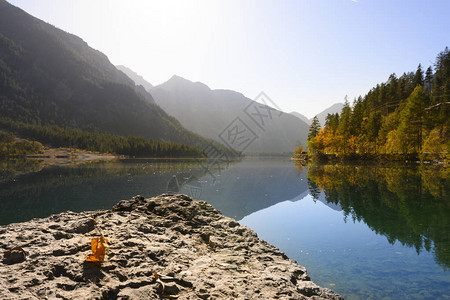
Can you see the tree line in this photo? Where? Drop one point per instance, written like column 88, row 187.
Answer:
column 404, row 117
column 134, row 146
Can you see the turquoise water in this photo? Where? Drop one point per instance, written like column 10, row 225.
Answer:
column 348, row 257
column 364, row 232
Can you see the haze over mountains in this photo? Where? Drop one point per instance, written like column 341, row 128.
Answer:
column 301, row 117
column 335, row 108
column 138, row 79
column 51, row 77
column 212, row 113
column 207, row 112
column 216, row 113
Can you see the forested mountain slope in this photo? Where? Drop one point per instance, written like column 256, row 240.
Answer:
column 51, row 77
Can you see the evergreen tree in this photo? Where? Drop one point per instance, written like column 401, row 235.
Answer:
column 373, row 126
column 418, row 77
column 356, row 118
column 428, row 83
column 332, row 121
column 344, row 119
column 441, row 87
column 314, row 128
column 393, row 96
column 411, row 120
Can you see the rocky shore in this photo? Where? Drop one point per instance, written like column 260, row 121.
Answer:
column 197, row 252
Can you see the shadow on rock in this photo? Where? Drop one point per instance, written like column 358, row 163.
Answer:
column 92, row 272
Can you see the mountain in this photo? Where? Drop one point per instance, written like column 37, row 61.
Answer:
column 51, row 77
column 335, row 108
column 138, row 79
column 301, row 117
column 229, row 117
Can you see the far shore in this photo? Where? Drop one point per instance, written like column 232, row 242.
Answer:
column 64, row 156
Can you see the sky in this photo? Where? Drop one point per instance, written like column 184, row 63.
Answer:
column 305, row 55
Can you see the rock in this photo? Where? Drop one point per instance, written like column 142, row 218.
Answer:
column 79, row 226
column 14, row 256
column 198, row 253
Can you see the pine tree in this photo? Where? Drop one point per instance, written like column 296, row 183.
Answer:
column 344, row 120
column 373, row 126
column 411, row 120
column 418, row 77
column 428, row 83
column 393, row 96
column 332, row 121
column 357, row 117
column 314, row 128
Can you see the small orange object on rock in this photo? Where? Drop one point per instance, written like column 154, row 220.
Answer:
column 98, row 246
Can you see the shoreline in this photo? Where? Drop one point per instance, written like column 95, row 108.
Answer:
column 202, row 254
column 64, row 156
column 380, row 159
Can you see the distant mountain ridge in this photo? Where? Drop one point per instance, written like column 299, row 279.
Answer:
column 301, row 117
column 138, row 79
column 218, row 114
column 335, row 108
column 51, row 77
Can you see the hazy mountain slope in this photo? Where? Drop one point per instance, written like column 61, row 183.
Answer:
column 214, row 113
column 301, row 117
column 48, row 76
column 335, row 108
column 138, row 79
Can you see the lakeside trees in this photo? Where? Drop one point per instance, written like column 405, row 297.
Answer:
column 405, row 117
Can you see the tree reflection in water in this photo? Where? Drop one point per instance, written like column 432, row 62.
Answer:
column 408, row 203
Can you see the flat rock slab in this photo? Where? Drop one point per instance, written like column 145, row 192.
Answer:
column 199, row 253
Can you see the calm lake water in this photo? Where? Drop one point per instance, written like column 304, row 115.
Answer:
column 365, row 232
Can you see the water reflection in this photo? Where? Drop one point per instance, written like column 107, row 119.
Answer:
column 83, row 187
column 248, row 186
column 236, row 188
column 9, row 168
column 300, row 210
column 408, row 204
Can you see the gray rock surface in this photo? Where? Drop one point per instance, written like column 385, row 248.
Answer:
column 198, row 253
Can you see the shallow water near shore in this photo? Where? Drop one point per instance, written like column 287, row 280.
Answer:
column 365, row 232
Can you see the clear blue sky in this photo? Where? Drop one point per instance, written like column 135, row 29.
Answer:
column 306, row 54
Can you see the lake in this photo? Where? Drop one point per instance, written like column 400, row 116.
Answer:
column 366, row 232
